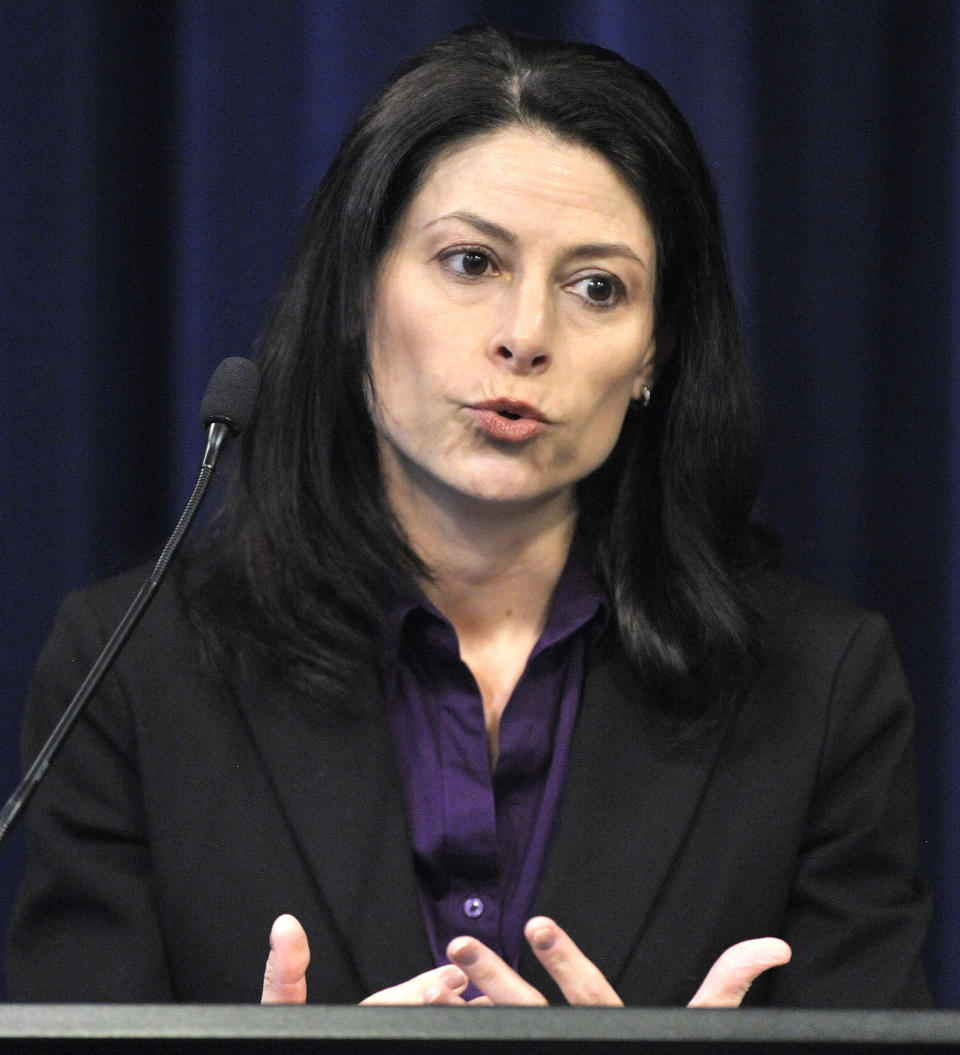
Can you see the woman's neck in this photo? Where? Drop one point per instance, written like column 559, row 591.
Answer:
column 502, row 586
column 495, row 587
column 493, row 567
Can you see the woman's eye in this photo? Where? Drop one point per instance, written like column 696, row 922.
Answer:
column 602, row 290
column 472, row 262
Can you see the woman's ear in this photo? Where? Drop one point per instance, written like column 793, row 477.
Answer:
column 646, row 373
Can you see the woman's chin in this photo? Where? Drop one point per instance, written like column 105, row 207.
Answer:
column 503, row 495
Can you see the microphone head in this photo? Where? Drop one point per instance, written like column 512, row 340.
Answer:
column 231, row 394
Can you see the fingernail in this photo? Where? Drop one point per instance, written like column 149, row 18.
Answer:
column 464, row 955
column 543, row 939
column 454, row 978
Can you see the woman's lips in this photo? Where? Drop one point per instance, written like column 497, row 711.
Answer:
column 509, row 420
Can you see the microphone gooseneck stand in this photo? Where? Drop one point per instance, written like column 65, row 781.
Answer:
column 227, row 406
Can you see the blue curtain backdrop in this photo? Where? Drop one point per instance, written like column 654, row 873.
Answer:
column 154, row 159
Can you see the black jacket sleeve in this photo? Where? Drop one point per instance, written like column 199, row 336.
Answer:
column 85, row 926
column 858, row 912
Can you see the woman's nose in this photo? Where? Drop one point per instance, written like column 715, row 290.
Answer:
column 521, row 337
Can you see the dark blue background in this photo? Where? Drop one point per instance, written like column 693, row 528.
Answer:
column 154, row 159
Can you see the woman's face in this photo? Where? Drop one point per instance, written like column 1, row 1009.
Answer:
column 512, row 324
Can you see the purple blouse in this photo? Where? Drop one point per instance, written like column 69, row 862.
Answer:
column 479, row 839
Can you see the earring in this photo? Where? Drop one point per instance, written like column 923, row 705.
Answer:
column 643, row 400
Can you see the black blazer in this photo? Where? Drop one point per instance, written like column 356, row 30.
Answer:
column 183, row 816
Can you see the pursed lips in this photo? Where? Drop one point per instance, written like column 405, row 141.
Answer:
column 508, row 420
column 512, row 409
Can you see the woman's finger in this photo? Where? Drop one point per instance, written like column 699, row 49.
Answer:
column 442, row 985
column 579, row 979
column 284, row 977
column 734, row 972
column 491, row 975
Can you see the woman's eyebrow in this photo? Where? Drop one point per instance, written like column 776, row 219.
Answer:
column 607, row 249
column 487, row 227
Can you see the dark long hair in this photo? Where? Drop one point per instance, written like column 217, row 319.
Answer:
column 307, row 544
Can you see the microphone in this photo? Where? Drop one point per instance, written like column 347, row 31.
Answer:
column 228, row 403
column 227, row 407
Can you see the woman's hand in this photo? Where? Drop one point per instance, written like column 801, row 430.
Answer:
column 580, row 981
column 285, row 982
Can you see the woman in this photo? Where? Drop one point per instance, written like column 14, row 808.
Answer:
column 485, row 636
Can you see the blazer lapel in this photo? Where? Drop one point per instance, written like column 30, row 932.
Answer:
column 630, row 795
column 334, row 773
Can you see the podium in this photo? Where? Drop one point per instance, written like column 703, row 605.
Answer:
column 71, row 1029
